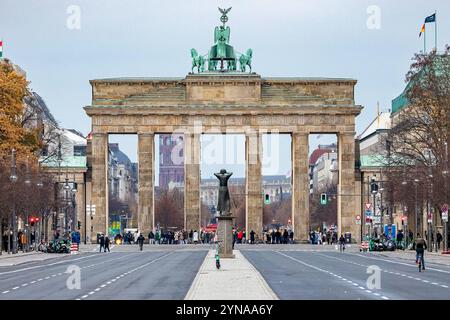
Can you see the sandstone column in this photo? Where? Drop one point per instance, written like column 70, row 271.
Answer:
column 300, row 185
column 346, row 187
column 192, row 181
column 146, row 215
column 81, row 208
column 100, row 183
column 253, row 185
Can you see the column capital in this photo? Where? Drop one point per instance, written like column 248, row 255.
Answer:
column 347, row 133
column 146, row 133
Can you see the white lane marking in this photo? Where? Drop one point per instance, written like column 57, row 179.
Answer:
column 15, row 288
column 105, row 261
column 386, row 271
column 396, row 262
column 317, row 268
column 6, row 291
column 25, row 284
column 135, row 269
column 385, row 298
column 47, row 265
column 85, row 296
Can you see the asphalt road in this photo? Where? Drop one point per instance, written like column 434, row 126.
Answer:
column 302, row 274
column 167, row 272
column 150, row 274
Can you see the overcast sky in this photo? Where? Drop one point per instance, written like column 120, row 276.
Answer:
column 304, row 38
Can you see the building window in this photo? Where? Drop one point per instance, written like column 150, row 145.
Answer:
column 79, row 150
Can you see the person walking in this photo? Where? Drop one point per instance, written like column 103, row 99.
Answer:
column 195, row 237
column 140, row 241
column 291, row 237
column 107, row 242
column 438, row 240
column 342, row 243
column 102, row 242
column 151, row 238
column 285, row 236
column 252, row 237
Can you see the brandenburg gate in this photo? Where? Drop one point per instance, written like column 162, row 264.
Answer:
column 223, row 99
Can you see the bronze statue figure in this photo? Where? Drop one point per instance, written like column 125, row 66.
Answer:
column 223, row 205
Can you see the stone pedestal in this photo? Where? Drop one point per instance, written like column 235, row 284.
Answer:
column 225, row 236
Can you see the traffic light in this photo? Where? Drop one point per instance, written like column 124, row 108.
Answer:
column 79, row 224
column 373, row 187
column 267, row 199
column 32, row 220
column 323, row 199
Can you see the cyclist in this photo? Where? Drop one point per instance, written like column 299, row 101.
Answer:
column 140, row 241
column 342, row 243
column 420, row 246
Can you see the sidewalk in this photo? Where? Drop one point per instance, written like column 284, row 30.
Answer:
column 8, row 260
column 237, row 279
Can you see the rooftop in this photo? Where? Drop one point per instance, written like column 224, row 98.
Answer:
column 381, row 122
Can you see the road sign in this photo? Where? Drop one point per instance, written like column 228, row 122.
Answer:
column 358, row 217
column 445, row 207
column 445, row 212
column 368, row 213
column 376, row 219
column 430, row 217
column 368, row 206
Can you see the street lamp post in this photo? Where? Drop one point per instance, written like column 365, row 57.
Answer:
column 445, row 173
column 66, row 188
column 416, row 224
column 13, row 179
column 27, row 213
column 374, row 191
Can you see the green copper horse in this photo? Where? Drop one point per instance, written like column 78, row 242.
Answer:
column 197, row 61
column 246, row 60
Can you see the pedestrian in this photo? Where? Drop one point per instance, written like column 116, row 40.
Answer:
column 252, row 237
column 151, row 237
column 240, row 236
column 342, row 243
column 291, row 237
column 234, row 238
column 107, row 241
column 102, row 242
column 438, row 240
column 191, row 236
column 195, row 237
column 181, row 237
column 273, row 236
column 285, row 236
column 140, row 241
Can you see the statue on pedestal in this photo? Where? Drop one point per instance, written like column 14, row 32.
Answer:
column 223, row 205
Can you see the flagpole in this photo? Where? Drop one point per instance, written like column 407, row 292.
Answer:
column 425, row 41
column 435, row 30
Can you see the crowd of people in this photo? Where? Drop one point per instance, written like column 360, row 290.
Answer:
column 278, row 236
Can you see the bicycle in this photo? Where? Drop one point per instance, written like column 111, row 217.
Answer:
column 421, row 263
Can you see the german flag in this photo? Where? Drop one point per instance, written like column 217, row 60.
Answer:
column 422, row 30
